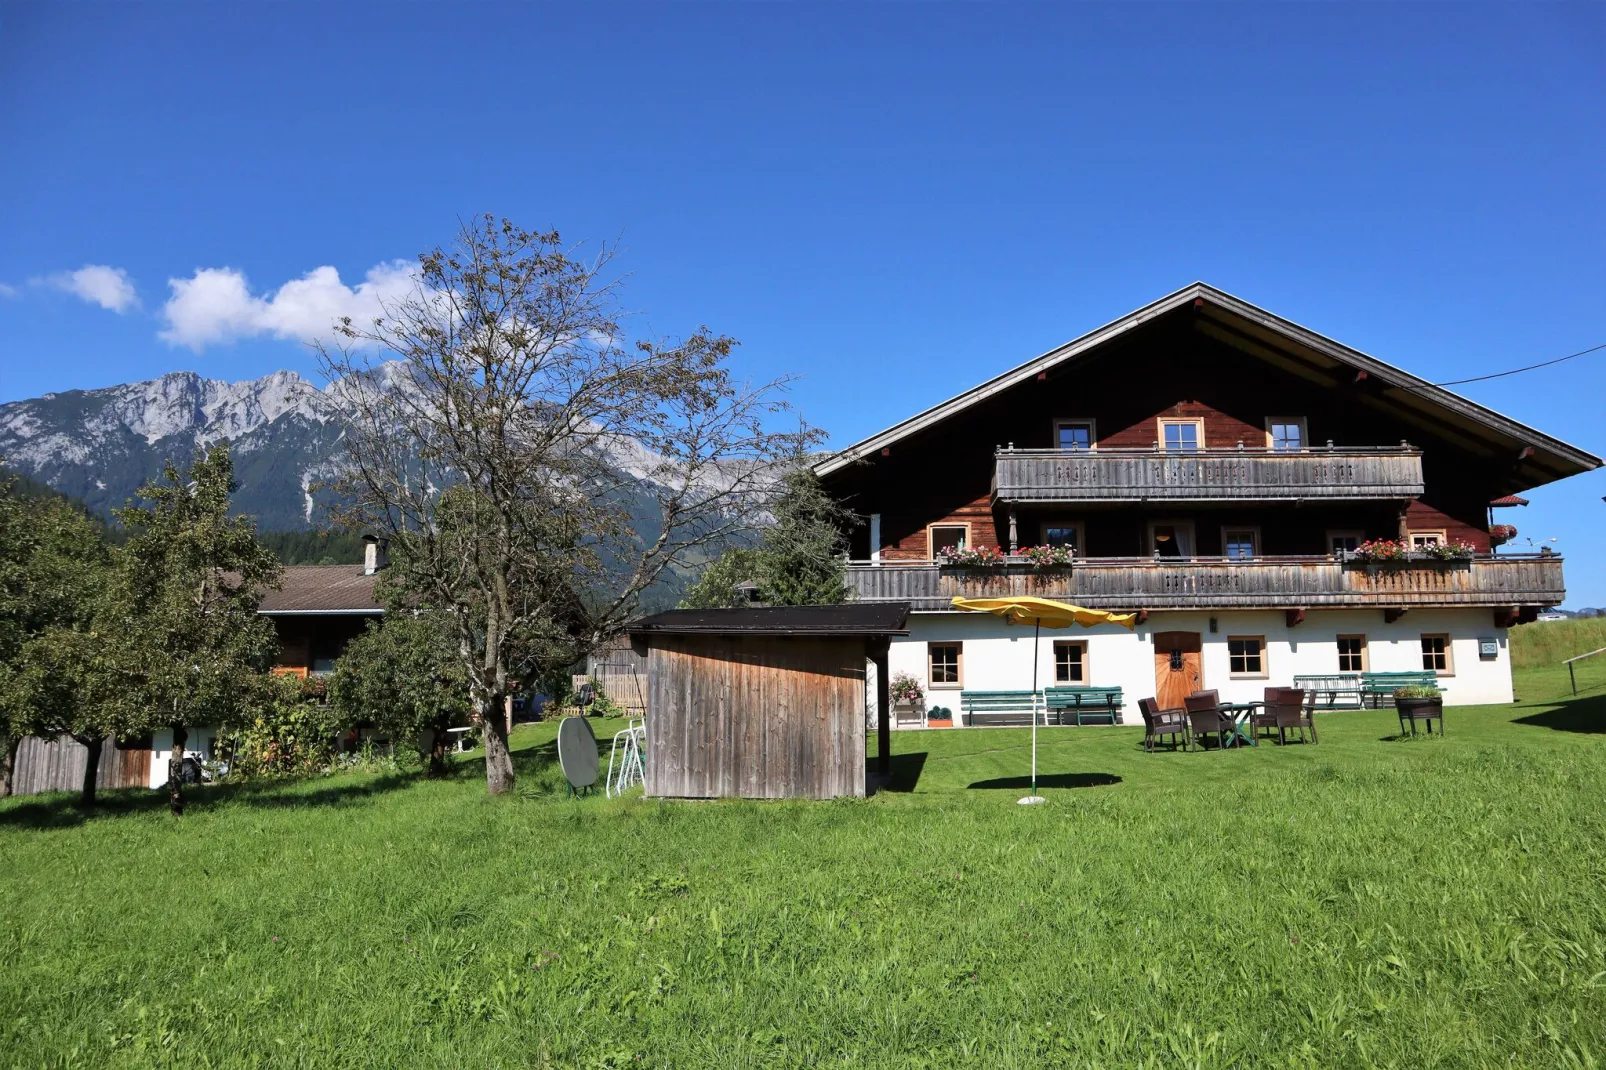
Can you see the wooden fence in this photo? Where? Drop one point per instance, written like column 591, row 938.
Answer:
column 621, row 673
column 58, row 765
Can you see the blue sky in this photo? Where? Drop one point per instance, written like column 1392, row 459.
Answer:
column 894, row 201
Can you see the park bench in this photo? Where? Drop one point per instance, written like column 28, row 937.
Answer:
column 1084, row 701
column 1325, row 691
column 996, row 707
column 1378, row 685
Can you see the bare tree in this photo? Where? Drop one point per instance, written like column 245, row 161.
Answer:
column 534, row 472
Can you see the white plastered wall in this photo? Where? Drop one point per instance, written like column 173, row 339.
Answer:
column 197, row 745
column 998, row 655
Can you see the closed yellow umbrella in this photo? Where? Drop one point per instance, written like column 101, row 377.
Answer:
column 1042, row 613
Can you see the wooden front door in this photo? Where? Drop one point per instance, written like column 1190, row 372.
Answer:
column 1177, row 668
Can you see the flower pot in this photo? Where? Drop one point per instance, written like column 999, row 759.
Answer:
column 1421, row 709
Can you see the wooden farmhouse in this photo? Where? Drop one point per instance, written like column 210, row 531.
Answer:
column 1220, row 471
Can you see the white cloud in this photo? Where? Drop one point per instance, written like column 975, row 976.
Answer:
column 217, row 305
column 7, row 291
column 99, row 284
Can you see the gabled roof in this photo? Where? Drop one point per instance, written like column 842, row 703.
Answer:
column 855, row 619
column 1277, row 340
column 327, row 589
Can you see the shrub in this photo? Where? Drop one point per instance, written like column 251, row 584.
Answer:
column 293, row 735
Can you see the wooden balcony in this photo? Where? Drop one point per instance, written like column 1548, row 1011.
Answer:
column 1219, row 583
column 1115, row 475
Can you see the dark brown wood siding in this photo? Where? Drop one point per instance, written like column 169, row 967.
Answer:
column 759, row 717
column 1165, row 369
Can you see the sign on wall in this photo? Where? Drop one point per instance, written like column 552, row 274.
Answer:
column 1488, row 649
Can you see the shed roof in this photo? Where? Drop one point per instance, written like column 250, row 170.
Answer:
column 330, row 589
column 1508, row 500
column 882, row 618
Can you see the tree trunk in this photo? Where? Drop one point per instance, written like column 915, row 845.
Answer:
column 440, row 738
column 93, row 745
column 498, row 760
column 175, row 771
column 8, row 761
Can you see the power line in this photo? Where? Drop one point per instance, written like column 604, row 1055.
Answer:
column 1529, row 368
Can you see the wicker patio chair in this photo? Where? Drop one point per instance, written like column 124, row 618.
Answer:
column 1206, row 718
column 1158, row 723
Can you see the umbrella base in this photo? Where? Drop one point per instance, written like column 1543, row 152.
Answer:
column 1030, row 800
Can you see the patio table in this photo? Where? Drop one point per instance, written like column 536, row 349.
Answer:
column 1240, row 712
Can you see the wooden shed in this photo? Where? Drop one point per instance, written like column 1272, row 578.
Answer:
column 764, row 702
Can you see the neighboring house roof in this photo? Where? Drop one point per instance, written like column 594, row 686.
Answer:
column 1302, row 352
column 1509, row 499
column 323, row 589
column 882, row 618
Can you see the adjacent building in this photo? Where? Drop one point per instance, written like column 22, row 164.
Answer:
column 1271, row 502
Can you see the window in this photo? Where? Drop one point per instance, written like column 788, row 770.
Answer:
column 1339, row 542
column 947, row 537
column 1421, row 539
column 1246, row 655
column 1181, row 436
column 1070, row 661
column 1352, row 653
column 1240, row 542
column 945, row 662
column 1074, row 434
column 1171, row 538
column 1285, row 433
column 1062, row 533
column 1436, row 654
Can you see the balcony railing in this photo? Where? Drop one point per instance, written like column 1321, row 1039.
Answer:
column 1346, row 473
column 1221, row 583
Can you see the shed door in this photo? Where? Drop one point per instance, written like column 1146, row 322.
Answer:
column 1177, row 667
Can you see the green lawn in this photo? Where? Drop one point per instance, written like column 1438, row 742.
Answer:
column 1364, row 902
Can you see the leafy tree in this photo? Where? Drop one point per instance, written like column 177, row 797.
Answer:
column 52, row 560
column 501, row 433
column 799, row 560
column 404, row 676
column 72, row 684
column 182, row 606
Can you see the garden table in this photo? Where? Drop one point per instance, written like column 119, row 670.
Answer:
column 1240, row 712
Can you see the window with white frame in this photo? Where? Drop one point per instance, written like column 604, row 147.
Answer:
column 1246, row 655
column 1285, row 433
column 1070, row 661
column 1352, row 653
column 945, row 664
column 1436, row 655
column 1421, row 540
column 948, row 537
column 1181, row 436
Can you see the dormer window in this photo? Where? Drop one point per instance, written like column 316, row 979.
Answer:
column 1181, row 436
column 1285, row 434
column 1073, row 434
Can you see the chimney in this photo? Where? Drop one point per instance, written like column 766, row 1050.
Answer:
column 375, row 554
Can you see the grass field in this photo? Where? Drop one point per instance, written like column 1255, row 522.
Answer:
column 1366, row 902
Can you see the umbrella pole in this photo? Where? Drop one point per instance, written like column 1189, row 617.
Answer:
column 1037, row 633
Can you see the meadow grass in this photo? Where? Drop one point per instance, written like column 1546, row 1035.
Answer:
column 1545, row 643
column 1370, row 901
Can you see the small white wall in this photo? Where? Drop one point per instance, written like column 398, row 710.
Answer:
column 198, row 744
column 998, row 655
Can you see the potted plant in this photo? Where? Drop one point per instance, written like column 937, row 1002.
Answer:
column 972, row 557
column 1449, row 551
column 1500, row 534
column 1049, row 556
column 1420, row 703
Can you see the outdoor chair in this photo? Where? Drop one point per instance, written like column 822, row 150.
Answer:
column 1285, row 708
column 1206, row 718
column 1158, row 723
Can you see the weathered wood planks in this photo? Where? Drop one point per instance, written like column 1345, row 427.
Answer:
column 1205, row 475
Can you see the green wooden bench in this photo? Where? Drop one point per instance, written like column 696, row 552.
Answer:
column 1326, row 691
column 1376, row 685
column 1084, row 701
column 996, row 707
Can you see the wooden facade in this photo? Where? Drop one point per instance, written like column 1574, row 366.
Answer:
column 1379, row 455
column 621, row 672
column 760, row 717
column 59, row 765
column 1275, row 583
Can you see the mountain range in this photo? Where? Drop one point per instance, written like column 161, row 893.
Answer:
column 99, row 446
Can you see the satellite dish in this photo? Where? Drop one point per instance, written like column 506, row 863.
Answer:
column 577, row 752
